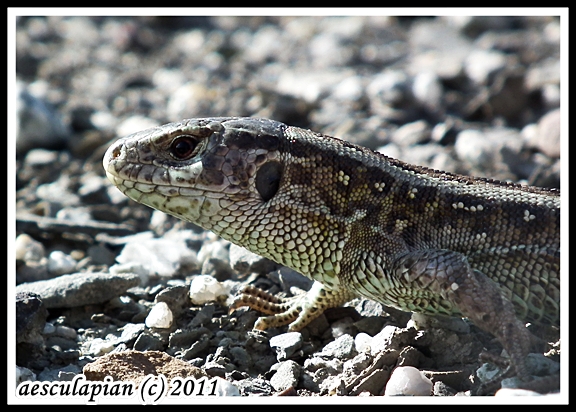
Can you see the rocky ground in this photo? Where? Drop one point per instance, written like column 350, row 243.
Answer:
column 107, row 286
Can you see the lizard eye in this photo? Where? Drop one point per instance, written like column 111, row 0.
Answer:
column 183, row 147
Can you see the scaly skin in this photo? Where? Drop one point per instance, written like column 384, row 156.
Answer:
column 356, row 222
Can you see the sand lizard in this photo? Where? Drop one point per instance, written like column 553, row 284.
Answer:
column 356, row 222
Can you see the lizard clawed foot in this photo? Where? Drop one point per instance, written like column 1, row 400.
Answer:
column 297, row 311
column 282, row 310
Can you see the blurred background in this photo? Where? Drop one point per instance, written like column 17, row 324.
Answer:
column 465, row 94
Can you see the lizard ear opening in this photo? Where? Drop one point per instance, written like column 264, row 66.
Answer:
column 268, row 179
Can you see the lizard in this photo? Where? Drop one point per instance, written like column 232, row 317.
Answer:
column 358, row 223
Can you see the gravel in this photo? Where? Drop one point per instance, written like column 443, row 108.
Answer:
column 103, row 283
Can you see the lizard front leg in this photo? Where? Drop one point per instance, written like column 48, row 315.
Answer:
column 297, row 311
column 441, row 281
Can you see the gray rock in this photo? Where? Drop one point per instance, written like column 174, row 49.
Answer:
column 149, row 341
column 257, row 387
column 286, row 376
column 341, row 348
column 286, row 344
column 59, row 263
column 374, row 383
column 80, row 289
column 31, row 316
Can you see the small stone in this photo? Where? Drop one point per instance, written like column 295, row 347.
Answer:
column 49, row 329
column 344, row 326
column 286, row 376
column 226, row 388
column 391, row 337
column 341, row 348
column 214, row 257
column 59, row 373
column 373, row 383
column 160, row 316
column 256, row 386
column 100, row 346
column 408, row 381
column 362, row 342
column 286, row 344
column 474, row 148
column 28, row 249
column 163, row 257
column 388, row 87
column 31, row 317
column 204, row 288
column 148, row 341
column 59, row 263
column 487, row 372
column 203, row 316
column 130, row 332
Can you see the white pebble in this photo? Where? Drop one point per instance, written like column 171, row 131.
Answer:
column 226, row 388
column 99, row 347
column 59, row 263
column 362, row 342
column 162, row 257
column 28, row 249
column 160, row 316
column 408, row 381
column 204, row 288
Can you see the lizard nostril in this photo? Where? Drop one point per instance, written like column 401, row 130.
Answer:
column 116, row 152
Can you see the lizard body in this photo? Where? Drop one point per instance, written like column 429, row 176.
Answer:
column 355, row 221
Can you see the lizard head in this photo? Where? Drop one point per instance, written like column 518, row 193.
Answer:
column 208, row 171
